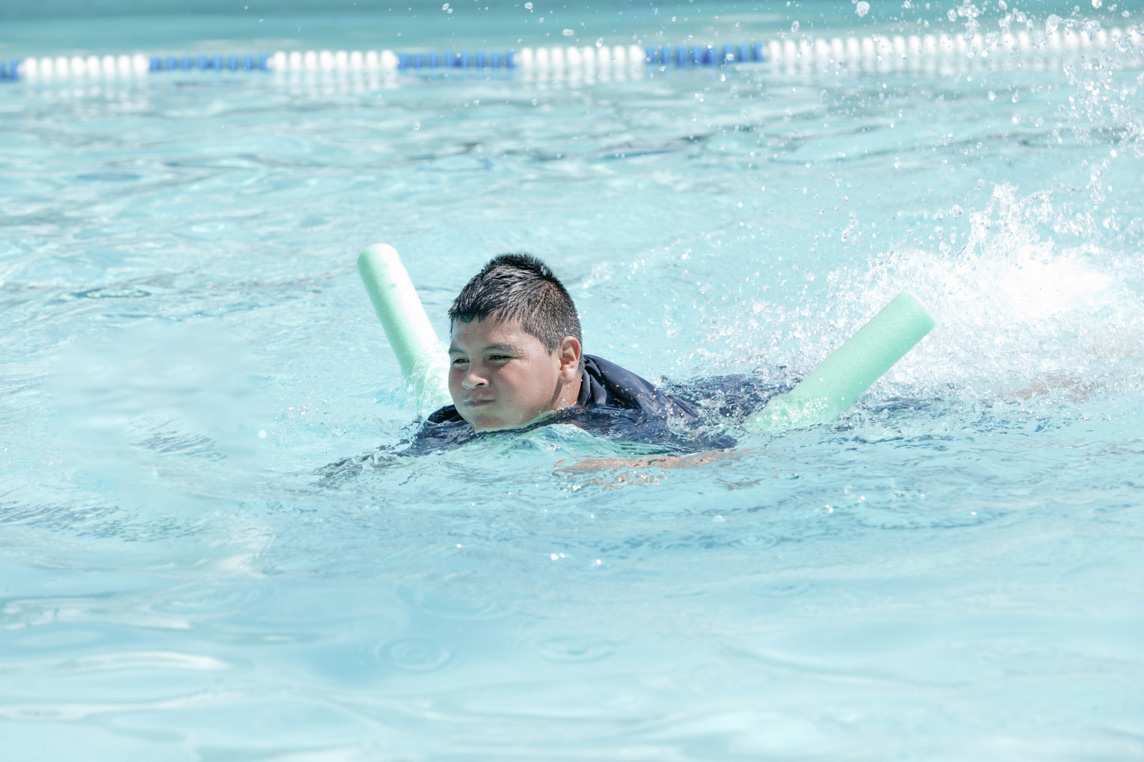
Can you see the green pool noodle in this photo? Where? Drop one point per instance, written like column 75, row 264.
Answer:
column 406, row 325
column 834, row 385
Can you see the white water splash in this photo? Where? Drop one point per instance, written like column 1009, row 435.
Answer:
column 1015, row 312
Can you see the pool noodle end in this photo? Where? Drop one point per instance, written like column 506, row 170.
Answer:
column 406, row 325
column 834, row 385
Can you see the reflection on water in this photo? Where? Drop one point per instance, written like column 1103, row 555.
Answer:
column 188, row 347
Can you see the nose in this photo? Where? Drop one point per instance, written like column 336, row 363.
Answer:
column 472, row 381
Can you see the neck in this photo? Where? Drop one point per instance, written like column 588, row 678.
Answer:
column 570, row 395
column 566, row 395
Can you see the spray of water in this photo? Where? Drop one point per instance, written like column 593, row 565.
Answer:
column 1038, row 295
column 1018, row 315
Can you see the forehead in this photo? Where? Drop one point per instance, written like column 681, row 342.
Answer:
column 477, row 334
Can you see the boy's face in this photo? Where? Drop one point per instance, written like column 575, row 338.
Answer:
column 501, row 377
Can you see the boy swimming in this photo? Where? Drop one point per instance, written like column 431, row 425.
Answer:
column 517, row 362
column 516, row 355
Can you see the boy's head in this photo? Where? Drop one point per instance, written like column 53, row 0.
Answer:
column 515, row 349
column 519, row 286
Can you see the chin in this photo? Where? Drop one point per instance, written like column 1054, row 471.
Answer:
column 483, row 423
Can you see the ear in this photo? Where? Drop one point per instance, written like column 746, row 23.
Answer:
column 569, row 353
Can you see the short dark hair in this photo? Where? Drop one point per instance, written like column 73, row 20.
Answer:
column 520, row 286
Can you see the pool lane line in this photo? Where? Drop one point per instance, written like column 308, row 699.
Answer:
column 555, row 60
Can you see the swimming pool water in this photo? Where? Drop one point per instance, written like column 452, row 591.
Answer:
column 950, row 571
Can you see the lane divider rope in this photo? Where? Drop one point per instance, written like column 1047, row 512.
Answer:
column 554, row 60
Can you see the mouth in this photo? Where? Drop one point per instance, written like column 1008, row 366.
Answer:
column 476, row 402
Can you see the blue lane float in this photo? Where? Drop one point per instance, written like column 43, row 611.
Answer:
column 243, row 62
column 879, row 50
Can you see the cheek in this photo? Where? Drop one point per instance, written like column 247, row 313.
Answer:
column 541, row 379
column 455, row 379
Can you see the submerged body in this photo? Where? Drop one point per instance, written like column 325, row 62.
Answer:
column 614, row 403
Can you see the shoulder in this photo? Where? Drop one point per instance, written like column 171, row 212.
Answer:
column 447, row 414
column 443, row 429
column 609, row 384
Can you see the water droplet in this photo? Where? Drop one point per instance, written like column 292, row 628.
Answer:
column 568, row 33
column 862, row 8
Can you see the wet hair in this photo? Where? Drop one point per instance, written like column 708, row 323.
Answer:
column 519, row 286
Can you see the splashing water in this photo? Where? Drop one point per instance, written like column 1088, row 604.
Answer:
column 1014, row 311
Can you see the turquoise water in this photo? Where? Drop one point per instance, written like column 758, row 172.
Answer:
column 950, row 571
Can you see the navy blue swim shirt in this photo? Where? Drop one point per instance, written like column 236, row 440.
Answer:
column 617, row 404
